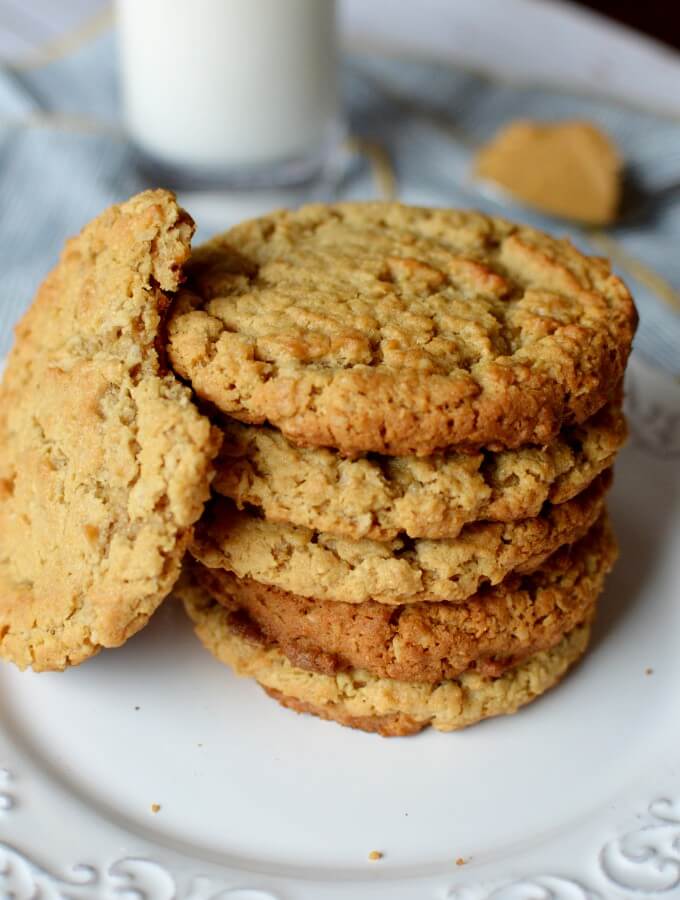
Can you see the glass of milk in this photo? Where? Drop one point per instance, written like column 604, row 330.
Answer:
column 233, row 92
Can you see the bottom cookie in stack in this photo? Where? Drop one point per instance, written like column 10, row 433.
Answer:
column 396, row 670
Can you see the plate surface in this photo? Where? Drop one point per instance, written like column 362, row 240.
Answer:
column 577, row 796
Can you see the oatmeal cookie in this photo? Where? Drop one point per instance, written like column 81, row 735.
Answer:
column 490, row 632
column 383, row 705
column 378, row 327
column 379, row 497
column 325, row 567
column 105, row 463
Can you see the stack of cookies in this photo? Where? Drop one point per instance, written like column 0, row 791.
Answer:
column 402, row 422
column 420, row 410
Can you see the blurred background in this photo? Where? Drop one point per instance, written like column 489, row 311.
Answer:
column 422, row 88
column 24, row 24
column 595, row 28
column 657, row 18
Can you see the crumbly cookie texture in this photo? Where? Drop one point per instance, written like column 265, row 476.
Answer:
column 388, row 725
column 361, row 700
column 105, row 463
column 325, row 567
column 431, row 497
column 491, row 632
column 374, row 327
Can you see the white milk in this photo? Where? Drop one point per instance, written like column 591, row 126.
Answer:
column 214, row 86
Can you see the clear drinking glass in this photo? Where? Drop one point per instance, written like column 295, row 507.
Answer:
column 236, row 93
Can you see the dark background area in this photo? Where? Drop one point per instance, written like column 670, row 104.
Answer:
column 658, row 18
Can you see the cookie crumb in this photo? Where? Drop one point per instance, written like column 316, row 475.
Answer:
column 155, row 807
column 375, row 855
column 460, row 861
column 649, row 671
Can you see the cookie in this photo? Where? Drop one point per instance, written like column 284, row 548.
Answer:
column 377, row 327
column 388, row 725
column 325, row 567
column 490, row 632
column 379, row 497
column 385, row 705
column 105, row 463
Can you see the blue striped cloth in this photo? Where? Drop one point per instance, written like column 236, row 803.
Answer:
column 64, row 157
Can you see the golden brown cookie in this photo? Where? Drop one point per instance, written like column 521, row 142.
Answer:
column 105, row 463
column 379, row 497
column 325, row 567
column 492, row 631
column 385, row 705
column 388, row 725
column 377, row 327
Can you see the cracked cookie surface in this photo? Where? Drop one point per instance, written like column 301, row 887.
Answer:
column 401, row 330
column 105, row 463
column 384, row 705
column 491, row 632
column 326, row 567
column 428, row 497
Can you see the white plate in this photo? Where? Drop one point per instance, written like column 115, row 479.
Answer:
column 578, row 796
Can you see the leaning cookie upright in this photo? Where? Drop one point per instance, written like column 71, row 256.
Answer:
column 412, row 529
column 105, row 462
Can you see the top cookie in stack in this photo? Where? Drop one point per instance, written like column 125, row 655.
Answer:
column 402, row 331
column 428, row 406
